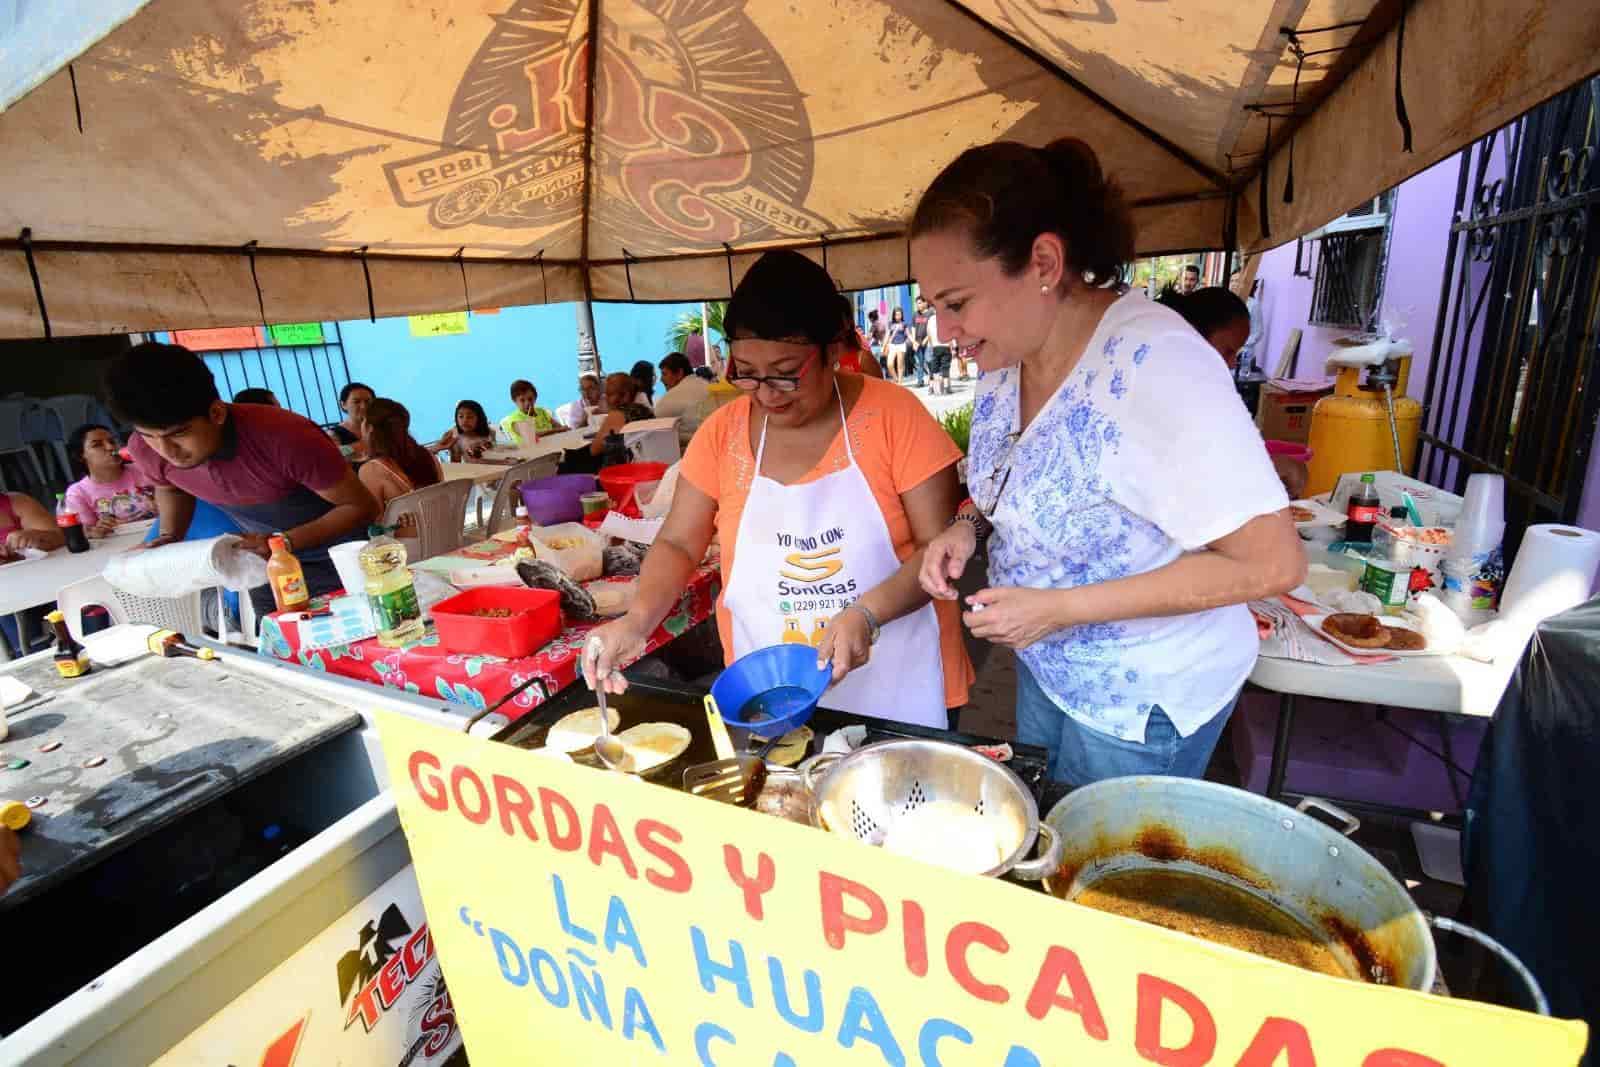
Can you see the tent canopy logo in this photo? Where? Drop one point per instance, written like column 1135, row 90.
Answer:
column 701, row 136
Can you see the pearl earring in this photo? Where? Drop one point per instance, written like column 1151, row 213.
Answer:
column 1044, row 288
column 1088, row 277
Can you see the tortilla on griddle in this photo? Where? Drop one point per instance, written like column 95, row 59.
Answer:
column 577, row 731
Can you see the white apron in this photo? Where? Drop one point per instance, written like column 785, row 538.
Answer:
column 804, row 553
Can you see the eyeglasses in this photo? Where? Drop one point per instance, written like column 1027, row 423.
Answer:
column 783, row 383
column 1001, row 473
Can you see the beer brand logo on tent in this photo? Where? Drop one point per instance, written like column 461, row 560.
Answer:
column 388, row 957
column 701, row 135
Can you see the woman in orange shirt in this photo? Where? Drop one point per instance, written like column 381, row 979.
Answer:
column 823, row 489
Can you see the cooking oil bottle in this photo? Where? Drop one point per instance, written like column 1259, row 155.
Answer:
column 390, row 589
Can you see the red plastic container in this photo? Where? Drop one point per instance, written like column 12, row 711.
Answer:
column 538, row 621
column 594, row 519
column 621, row 481
column 1290, row 450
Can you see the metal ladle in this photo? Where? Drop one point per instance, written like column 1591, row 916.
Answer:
column 607, row 747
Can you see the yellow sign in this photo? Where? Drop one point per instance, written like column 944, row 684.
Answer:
column 443, row 324
column 586, row 917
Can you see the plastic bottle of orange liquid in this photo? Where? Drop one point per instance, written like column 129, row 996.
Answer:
column 288, row 581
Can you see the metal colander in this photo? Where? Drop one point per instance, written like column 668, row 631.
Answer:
column 861, row 794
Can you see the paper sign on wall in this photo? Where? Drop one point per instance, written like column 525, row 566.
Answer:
column 443, row 324
column 222, row 339
column 587, row 917
column 297, row 333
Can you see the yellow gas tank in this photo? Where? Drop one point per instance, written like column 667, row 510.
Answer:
column 1350, row 429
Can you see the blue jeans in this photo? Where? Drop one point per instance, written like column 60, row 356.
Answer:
column 1081, row 755
column 919, row 363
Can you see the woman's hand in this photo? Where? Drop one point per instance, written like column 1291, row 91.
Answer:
column 608, row 649
column 847, row 644
column 946, row 558
column 1015, row 616
column 44, row 540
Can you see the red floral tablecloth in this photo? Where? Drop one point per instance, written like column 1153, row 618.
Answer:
column 427, row 669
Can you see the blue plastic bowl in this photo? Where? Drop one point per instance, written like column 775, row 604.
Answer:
column 772, row 690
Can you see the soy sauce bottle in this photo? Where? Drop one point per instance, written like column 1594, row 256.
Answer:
column 72, row 659
column 67, row 520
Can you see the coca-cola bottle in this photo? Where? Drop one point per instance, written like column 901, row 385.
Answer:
column 67, row 519
column 1361, row 514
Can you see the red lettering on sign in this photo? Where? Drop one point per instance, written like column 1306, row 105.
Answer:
column 365, row 1007
column 417, row 952
column 1279, row 1037
column 282, row 1051
column 1399, row 1057
column 513, row 799
column 569, row 838
column 459, row 775
column 703, row 152
column 753, row 888
column 916, row 939
column 391, row 980
column 544, row 87
column 605, row 839
column 1061, row 964
column 1154, row 993
column 651, row 835
column 438, row 1024
column 963, row 936
column 430, row 789
column 836, row 922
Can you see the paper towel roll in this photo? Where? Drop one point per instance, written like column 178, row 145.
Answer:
column 1554, row 571
column 186, row 567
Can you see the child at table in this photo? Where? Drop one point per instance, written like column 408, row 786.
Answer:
column 110, row 493
column 524, row 424
column 470, row 437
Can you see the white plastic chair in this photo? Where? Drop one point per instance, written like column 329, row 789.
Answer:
column 440, row 512
column 654, row 446
column 173, row 613
column 14, row 442
column 563, row 414
column 503, row 511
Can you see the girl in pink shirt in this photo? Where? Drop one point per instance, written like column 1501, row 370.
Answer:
column 111, row 493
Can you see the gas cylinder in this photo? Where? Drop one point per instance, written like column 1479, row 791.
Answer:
column 1350, row 429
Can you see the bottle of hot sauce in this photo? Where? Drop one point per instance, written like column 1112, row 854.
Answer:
column 72, row 659
column 288, row 581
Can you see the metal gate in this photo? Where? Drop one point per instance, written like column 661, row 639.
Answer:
column 1510, row 386
column 306, row 377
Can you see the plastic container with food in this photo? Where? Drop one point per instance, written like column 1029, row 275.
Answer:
column 498, row 621
column 572, row 546
column 1413, row 546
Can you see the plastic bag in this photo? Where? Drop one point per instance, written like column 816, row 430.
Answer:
column 655, row 505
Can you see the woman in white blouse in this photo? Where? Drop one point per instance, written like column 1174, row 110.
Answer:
column 1130, row 506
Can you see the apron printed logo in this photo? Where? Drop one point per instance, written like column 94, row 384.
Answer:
column 812, row 566
column 685, row 92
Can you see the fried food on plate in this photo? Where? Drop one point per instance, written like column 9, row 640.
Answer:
column 1357, row 631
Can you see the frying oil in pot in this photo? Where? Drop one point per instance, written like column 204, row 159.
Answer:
column 1214, row 910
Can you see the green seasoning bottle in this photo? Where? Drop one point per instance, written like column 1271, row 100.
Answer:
column 390, row 590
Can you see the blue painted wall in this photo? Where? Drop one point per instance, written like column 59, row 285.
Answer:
column 429, row 375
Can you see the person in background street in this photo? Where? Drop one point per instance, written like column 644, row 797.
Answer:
column 694, row 348
column 644, row 380
column 109, row 493
column 607, row 444
column 899, row 342
column 825, row 483
column 1188, row 279
column 268, row 469
column 353, row 401
column 591, row 401
column 938, row 357
column 398, row 465
column 875, row 333
column 256, row 395
column 854, row 356
column 1130, row 508
column 685, row 398
column 470, row 437
column 919, row 340
column 1219, row 316
column 529, row 420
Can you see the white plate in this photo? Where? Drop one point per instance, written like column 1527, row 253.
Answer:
column 1321, row 514
column 1391, row 621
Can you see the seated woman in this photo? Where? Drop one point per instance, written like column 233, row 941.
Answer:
column 398, row 465
column 24, row 523
column 470, row 437
column 110, row 493
column 607, row 447
column 644, row 381
column 353, row 400
column 1218, row 315
column 823, row 488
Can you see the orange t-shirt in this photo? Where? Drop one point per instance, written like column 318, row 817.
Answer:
column 898, row 446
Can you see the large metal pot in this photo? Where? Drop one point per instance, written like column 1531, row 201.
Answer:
column 1278, row 854
column 860, row 795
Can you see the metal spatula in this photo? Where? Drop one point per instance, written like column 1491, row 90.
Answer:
column 731, row 779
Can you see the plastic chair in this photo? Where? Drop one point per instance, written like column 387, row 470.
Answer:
column 563, row 414
column 440, row 512
column 503, row 511
column 655, row 446
column 173, row 613
column 13, row 441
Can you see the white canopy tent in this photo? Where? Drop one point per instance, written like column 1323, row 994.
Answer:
column 207, row 163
